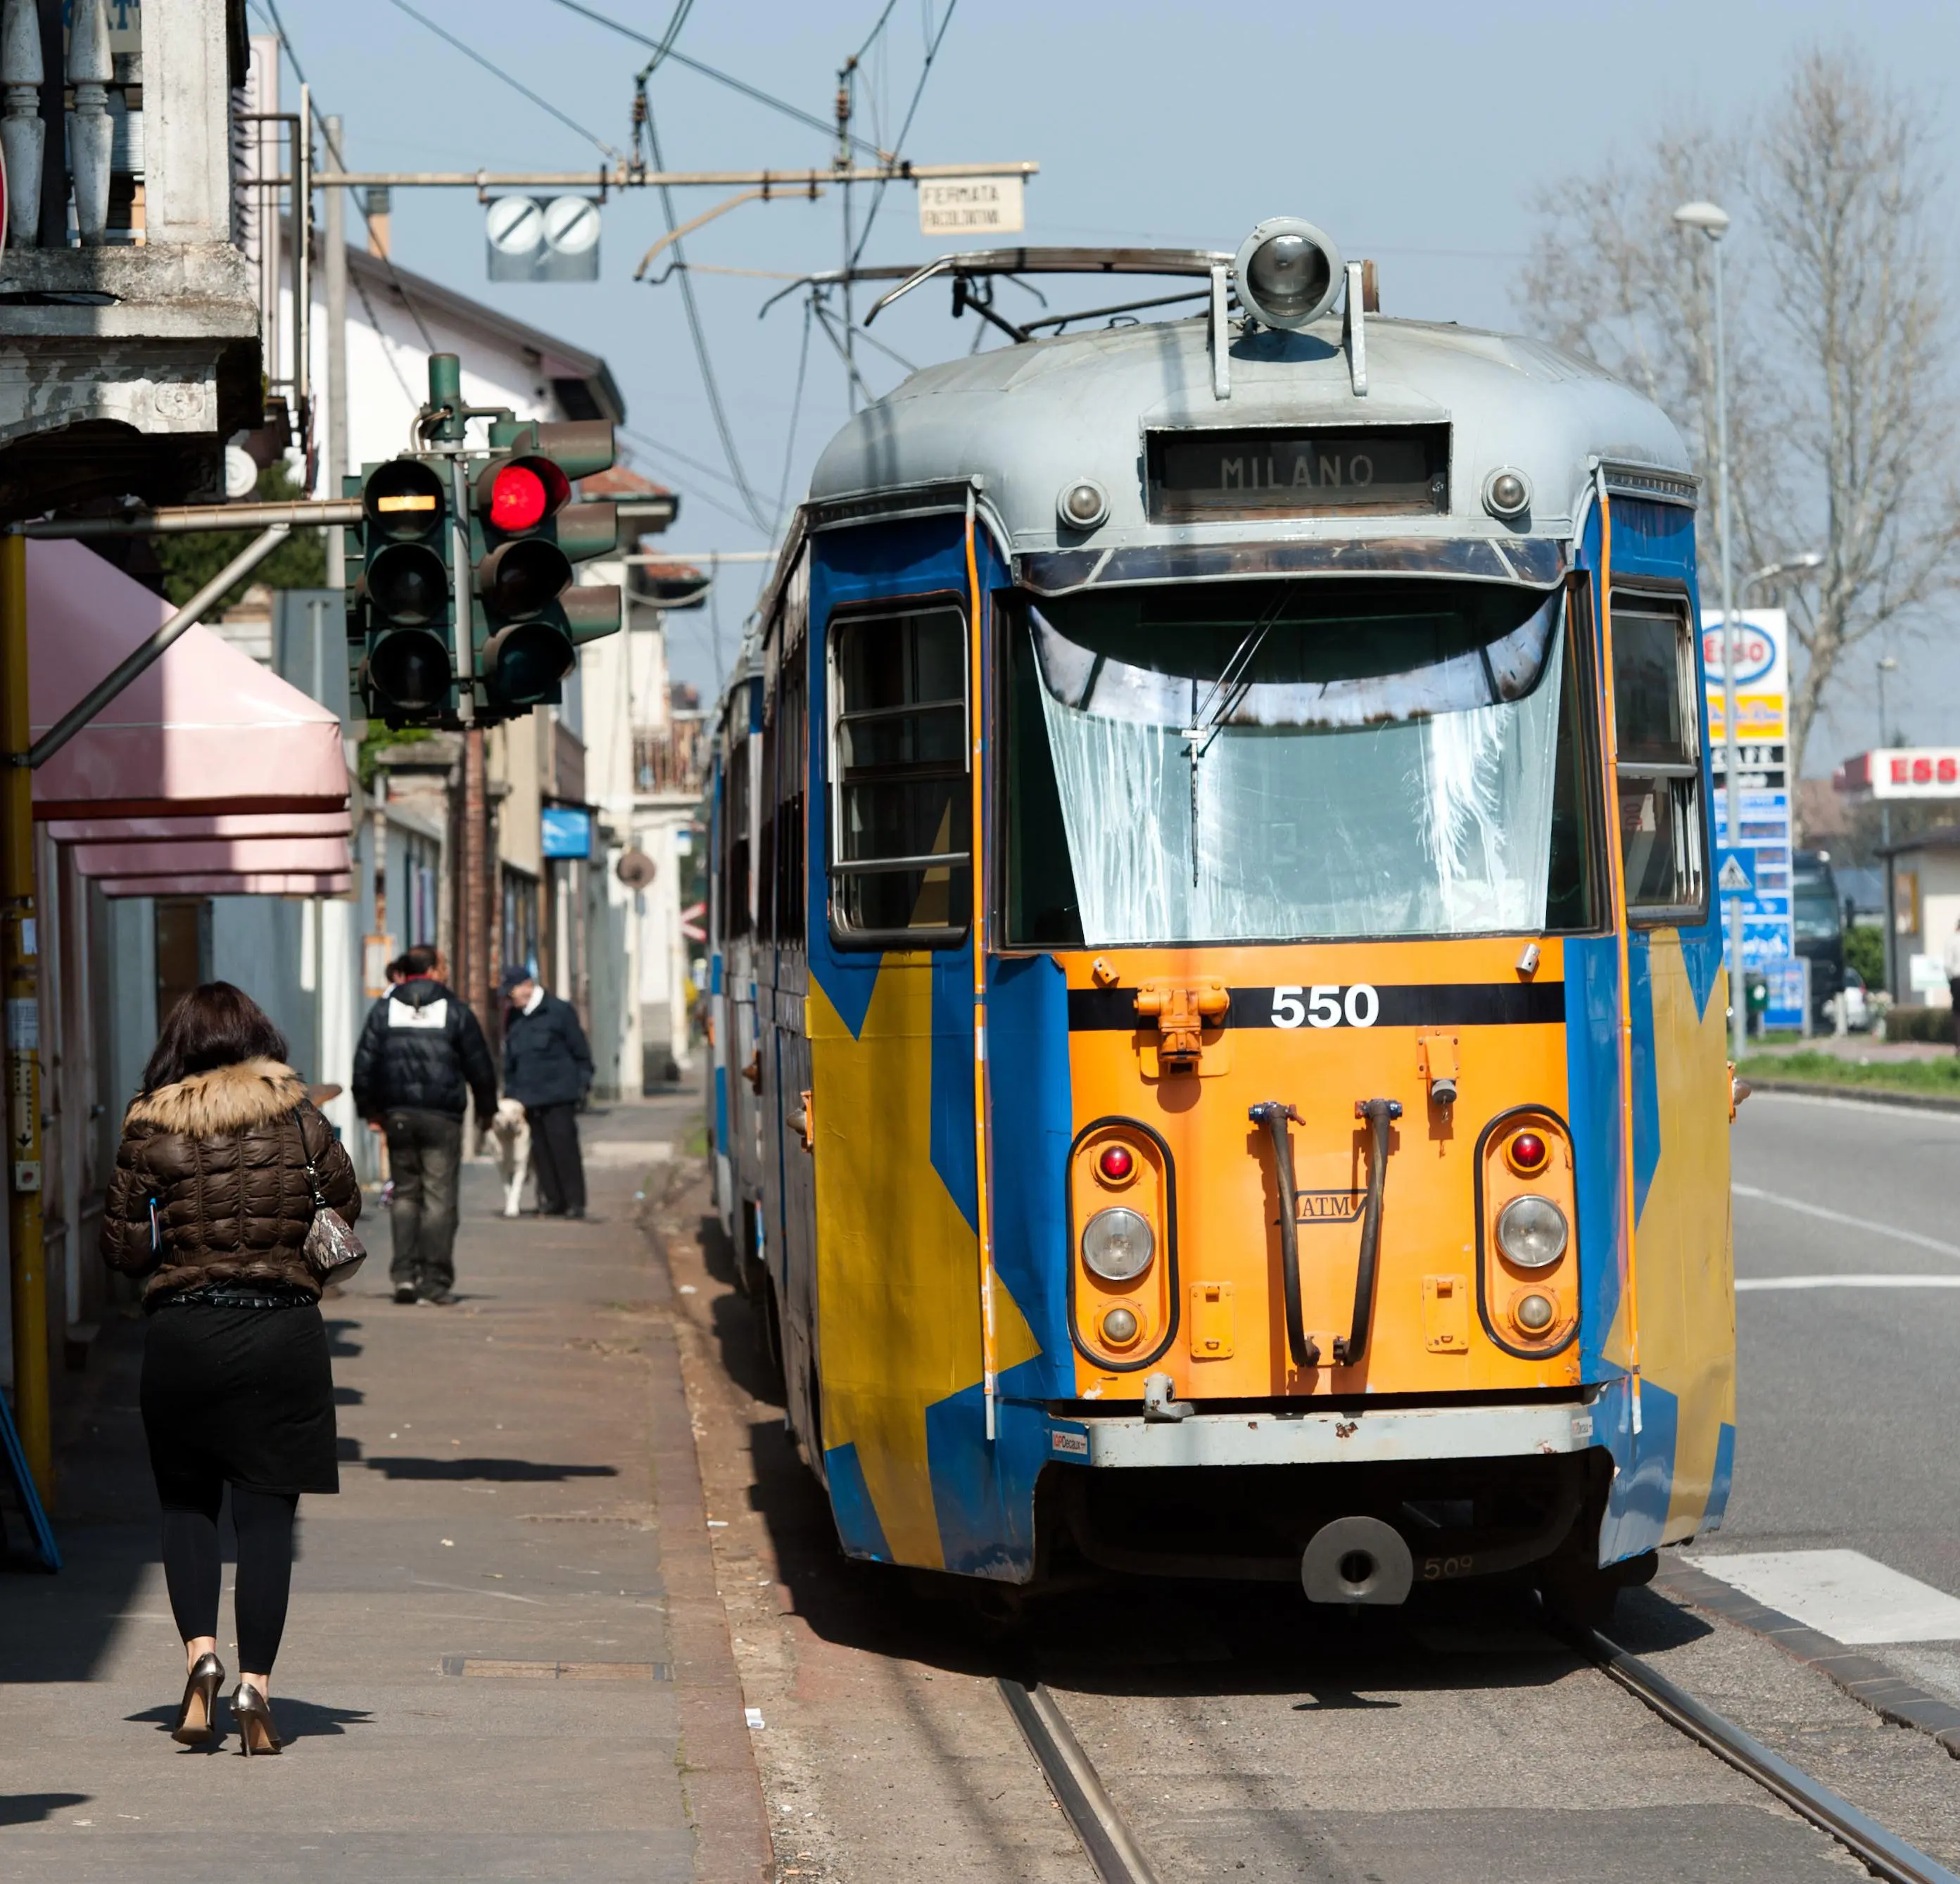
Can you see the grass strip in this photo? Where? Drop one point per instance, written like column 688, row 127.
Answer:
column 1940, row 1077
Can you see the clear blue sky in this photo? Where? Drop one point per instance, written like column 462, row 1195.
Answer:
column 1416, row 134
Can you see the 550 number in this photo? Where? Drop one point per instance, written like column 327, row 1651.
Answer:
column 1326, row 1005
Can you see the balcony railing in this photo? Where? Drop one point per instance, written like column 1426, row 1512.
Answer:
column 670, row 759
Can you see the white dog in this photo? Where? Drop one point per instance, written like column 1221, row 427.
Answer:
column 512, row 1132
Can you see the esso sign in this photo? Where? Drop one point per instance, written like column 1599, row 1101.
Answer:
column 1755, row 653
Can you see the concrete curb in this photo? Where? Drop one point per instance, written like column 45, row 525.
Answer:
column 1889, row 1696
column 1864, row 1095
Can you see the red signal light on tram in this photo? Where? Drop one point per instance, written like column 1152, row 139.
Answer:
column 1115, row 1163
column 1526, row 1153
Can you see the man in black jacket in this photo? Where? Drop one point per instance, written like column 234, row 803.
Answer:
column 422, row 1055
column 548, row 1069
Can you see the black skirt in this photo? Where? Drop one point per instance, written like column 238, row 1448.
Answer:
column 243, row 1395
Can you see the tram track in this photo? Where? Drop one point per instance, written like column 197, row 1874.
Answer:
column 1117, row 1856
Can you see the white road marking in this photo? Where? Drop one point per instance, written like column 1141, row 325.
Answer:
column 1744, row 1282
column 1921, row 1115
column 642, row 1151
column 1850, row 1223
column 1843, row 1594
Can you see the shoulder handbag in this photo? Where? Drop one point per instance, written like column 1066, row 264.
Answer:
column 333, row 1251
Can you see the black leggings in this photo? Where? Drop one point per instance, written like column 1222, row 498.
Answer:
column 194, row 1568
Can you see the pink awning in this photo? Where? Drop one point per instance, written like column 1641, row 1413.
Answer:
column 205, row 731
column 233, row 824
column 227, row 856
column 297, row 883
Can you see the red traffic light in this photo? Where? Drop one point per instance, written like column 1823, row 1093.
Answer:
column 517, row 499
column 521, row 493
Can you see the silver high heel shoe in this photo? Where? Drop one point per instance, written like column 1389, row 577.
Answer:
column 200, row 1697
column 254, row 1717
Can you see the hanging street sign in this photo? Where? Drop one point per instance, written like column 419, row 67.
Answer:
column 556, row 240
column 979, row 205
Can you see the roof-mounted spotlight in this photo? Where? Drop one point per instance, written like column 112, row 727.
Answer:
column 1287, row 273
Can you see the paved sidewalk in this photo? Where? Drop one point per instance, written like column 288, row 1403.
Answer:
column 506, row 1660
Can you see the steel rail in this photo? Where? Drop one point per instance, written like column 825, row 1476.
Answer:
column 1886, row 1855
column 1117, row 1859
column 1072, row 1777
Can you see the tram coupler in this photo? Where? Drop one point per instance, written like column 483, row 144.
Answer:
column 1358, row 1560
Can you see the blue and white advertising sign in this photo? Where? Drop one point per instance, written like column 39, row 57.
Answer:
column 1761, row 847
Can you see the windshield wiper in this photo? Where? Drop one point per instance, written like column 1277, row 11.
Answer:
column 1231, row 687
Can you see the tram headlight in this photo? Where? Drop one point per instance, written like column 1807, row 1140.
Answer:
column 1117, row 1244
column 1531, row 1232
column 1287, row 273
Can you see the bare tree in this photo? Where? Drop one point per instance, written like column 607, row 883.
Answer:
column 1612, row 278
column 1840, row 416
column 1841, row 194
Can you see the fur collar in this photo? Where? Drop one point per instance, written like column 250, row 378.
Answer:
column 227, row 1098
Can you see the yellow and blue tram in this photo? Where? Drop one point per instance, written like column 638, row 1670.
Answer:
column 1220, row 1026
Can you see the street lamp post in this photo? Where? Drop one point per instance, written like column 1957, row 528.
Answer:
column 1887, row 664
column 1713, row 221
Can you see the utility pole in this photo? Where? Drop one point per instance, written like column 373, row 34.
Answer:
column 336, row 356
column 19, row 962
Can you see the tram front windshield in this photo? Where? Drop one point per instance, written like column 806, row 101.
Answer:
column 1245, row 762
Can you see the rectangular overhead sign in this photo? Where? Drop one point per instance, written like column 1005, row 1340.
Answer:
column 1760, row 850
column 970, row 205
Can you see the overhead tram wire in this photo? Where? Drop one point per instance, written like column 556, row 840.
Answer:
column 809, row 118
column 905, row 127
column 751, row 502
column 387, row 260
column 497, row 71
column 796, row 409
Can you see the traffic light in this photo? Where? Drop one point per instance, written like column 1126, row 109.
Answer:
column 407, row 676
column 528, row 533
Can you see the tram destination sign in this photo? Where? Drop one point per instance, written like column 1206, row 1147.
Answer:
column 1373, row 470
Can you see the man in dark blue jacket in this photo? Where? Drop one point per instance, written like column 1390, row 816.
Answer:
column 421, row 1055
column 548, row 1070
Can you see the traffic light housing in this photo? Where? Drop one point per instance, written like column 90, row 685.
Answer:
column 402, row 609
column 531, row 613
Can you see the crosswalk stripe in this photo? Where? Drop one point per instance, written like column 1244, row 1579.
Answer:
column 1845, row 1594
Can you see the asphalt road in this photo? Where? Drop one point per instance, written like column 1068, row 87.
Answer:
column 1847, row 1437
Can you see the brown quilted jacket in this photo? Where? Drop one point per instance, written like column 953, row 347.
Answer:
column 221, row 1153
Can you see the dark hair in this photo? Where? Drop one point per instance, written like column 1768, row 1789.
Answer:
column 419, row 960
column 216, row 1025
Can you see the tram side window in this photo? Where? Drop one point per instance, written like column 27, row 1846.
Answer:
column 1659, row 761
column 790, row 732
column 901, row 857
column 735, row 841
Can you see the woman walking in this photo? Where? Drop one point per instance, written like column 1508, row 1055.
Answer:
column 222, row 1158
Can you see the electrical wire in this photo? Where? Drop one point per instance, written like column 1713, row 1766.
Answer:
column 796, row 403
column 524, row 90
column 361, row 208
column 661, row 448
column 827, row 127
column 750, row 501
column 904, row 128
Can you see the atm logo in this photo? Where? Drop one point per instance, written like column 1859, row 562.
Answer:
column 1330, row 1207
